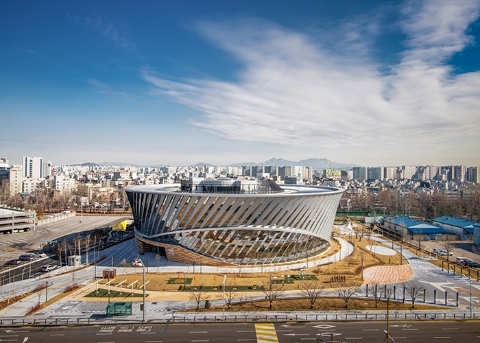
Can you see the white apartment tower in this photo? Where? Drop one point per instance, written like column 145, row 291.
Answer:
column 390, row 173
column 15, row 179
column 33, row 167
column 407, row 172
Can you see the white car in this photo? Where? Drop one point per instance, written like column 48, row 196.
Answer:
column 137, row 263
column 48, row 268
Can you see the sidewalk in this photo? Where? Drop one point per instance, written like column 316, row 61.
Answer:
column 85, row 275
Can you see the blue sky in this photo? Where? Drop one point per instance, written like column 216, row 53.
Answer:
column 181, row 82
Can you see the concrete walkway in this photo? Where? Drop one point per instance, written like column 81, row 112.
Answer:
column 59, row 279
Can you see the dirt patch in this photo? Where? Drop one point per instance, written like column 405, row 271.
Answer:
column 322, row 304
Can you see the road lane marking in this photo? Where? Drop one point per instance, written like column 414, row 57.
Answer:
column 450, row 329
column 441, row 337
column 247, row 331
column 409, row 329
column 370, row 329
column 353, row 337
column 198, row 331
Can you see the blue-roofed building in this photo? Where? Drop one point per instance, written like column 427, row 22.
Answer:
column 476, row 234
column 410, row 228
column 456, row 226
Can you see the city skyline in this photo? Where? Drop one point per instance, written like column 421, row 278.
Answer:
column 181, row 82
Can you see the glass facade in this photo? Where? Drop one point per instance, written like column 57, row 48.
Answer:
column 238, row 229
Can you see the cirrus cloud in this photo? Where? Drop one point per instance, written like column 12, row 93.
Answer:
column 293, row 90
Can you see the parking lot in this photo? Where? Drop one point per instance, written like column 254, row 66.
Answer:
column 12, row 246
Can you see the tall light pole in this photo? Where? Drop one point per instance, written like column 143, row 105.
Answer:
column 143, row 293
column 223, row 283
column 470, row 297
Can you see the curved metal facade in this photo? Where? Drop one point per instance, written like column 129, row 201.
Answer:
column 245, row 229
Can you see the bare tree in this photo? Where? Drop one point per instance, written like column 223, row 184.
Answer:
column 377, row 292
column 312, row 291
column 272, row 291
column 360, row 231
column 413, row 289
column 87, row 247
column 124, row 264
column 346, row 293
column 230, row 295
column 158, row 258
column 448, row 247
column 198, row 296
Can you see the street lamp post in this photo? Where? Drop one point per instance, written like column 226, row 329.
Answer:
column 143, row 319
column 470, row 297
column 223, row 307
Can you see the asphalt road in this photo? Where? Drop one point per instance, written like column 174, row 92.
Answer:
column 412, row 332
column 13, row 245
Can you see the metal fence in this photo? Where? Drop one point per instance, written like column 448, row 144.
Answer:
column 244, row 318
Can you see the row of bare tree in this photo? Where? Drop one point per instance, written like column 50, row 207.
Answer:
column 422, row 205
column 313, row 291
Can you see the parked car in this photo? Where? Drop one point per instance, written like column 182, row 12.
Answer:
column 48, row 268
column 39, row 254
column 472, row 264
column 461, row 260
column 441, row 252
column 26, row 257
column 13, row 263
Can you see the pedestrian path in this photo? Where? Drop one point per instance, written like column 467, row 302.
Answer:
column 384, row 275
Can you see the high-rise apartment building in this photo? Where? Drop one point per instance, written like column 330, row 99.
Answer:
column 375, row 173
column 473, row 174
column 15, row 179
column 459, row 173
column 359, row 173
column 48, row 169
column 407, row 172
column 33, row 167
column 390, row 173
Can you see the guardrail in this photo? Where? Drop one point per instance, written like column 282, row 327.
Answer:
column 243, row 318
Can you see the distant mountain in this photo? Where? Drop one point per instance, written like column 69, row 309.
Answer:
column 315, row 163
column 118, row 164
column 86, row 164
column 200, row 164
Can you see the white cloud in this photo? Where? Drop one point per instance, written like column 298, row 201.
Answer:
column 106, row 89
column 294, row 91
column 108, row 31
